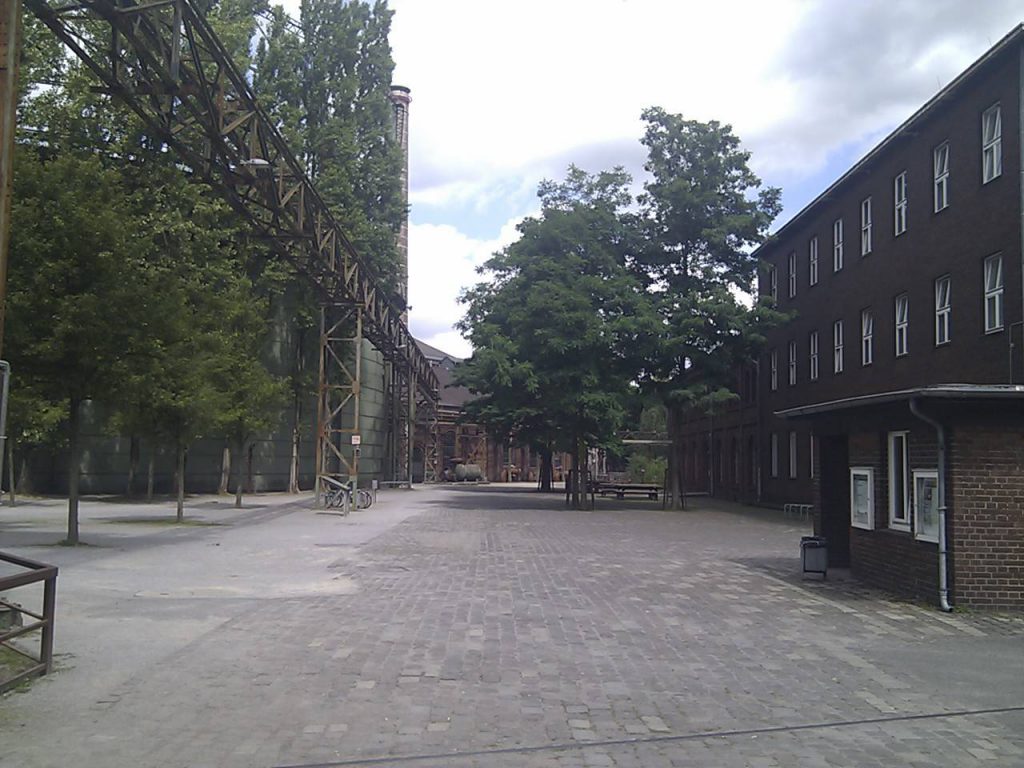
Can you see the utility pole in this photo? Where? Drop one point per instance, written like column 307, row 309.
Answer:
column 10, row 47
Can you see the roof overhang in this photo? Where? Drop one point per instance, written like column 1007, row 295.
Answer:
column 961, row 392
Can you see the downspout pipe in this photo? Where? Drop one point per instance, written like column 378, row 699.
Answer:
column 940, row 434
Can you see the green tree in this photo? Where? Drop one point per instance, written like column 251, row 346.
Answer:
column 76, row 290
column 325, row 80
column 704, row 210
column 554, row 328
column 250, row 398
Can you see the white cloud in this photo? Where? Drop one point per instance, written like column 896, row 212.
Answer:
column 505, row 94
column 501, row 90
column 443, row 262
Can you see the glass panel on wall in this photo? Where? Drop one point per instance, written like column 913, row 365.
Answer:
column 862, row 497
column 926, row 504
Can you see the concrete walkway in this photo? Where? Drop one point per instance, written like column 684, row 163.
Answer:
column 489, row 626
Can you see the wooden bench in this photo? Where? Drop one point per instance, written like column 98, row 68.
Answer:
column 622, row 490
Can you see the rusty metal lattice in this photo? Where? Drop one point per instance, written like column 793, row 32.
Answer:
column 165, row 63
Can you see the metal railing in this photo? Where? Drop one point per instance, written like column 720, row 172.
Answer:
column 33, row 573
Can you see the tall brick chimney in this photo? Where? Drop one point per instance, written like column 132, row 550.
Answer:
column 400, row 102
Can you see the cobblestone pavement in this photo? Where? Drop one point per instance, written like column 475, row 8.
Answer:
column 491, row 627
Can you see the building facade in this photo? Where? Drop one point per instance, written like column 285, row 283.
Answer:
column 457, row 441
column 892, row 400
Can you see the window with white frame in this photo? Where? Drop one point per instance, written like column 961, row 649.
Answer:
column 813, row 341
column 991, row 143
column 994, row 293
column 792, row 363
column 865, row 226
column 902, row 318
column 940, row 168
column 812, row 260
column 792, row 274
column 926, row 504
column 899, row 203
column 773, row 367
column 837, row 245
column 792, row 456
column 773, row 282
column 867, row 337
column 810, row 457
column 837, row 347
column 774, row 446
column 899, row 481
column 942, row 310
column 862, row 497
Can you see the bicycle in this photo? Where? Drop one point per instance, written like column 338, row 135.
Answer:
column 340, row 495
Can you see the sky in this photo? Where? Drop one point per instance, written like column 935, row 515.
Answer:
column 507, row 94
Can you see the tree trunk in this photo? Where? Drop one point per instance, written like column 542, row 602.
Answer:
column 150, row 474
column 675, row 458
column 546, row 470
column 238, row 475
column 225, row 469
column 74, row 468
column 300, row 364
column 578, row 494
column 11, row 478
column 133, row 464
column 293, row 469
column 180, row 480
column 24, row 478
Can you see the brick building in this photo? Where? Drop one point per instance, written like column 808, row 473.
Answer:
column 462, row 442
column 894, row 397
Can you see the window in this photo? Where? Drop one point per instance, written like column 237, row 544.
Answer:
column 865, row 227
column 942, row 288
column 940, row 165
column 812, row 260
column 775, row 454
column 899, row 197
column 814, row 355
column 862, row 497
column 991, row 144
column 867, row 337
column 773, row 363
column 837, row 245
column 773, row 283
column 792, row 363
column 926, row 504
column 810, row 457
column 792, row 274
column 902, row 312
column 837, row 346
column 792, row 455
column 993, row 293
column 899, row 481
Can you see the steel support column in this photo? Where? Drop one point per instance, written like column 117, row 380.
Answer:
column 341, row 356
column 427, row 413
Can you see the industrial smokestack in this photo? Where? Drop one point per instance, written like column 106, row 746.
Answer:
column 400, row 102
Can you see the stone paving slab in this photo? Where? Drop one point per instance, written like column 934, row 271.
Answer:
column 492, row 627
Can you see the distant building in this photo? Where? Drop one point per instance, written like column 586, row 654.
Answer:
column 898, row 386
column 465, row 443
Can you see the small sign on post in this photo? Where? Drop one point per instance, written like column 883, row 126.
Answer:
column 357, row 439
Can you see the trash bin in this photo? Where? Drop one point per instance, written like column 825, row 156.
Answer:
column 814, row 555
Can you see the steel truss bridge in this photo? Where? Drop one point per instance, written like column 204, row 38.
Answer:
column 163, row 61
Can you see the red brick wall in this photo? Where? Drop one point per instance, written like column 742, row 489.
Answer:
column 986, row 533
column 892, row 560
